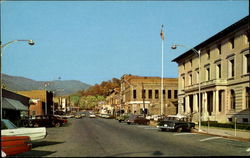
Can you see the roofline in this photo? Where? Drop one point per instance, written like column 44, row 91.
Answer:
column 220, row 34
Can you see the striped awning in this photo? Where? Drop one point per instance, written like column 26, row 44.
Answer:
column 12, row 104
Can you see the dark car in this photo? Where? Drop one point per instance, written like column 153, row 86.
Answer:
column 46, row 121
column 176, row 123
column 137, row 119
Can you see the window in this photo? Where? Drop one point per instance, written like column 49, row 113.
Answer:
column 150, row 94
column 156, row 94
column 134, row 94
column 197, row 76
column 218, row 71
column 207, row 74
column 208, row 54
column 183, row 82
column 183, row 66
column 164, row 93
column 247, row 97
column 191, row 63
column 246, row 63
column 231, row 68
column 175, row 94
column 143, row 93
column 232, row 100
column 190, row 79
column 169, row 94
column 219, row 48
column 232, row 43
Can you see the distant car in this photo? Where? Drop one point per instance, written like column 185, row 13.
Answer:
column 46, row 121
column 137, row 119
column 92, row 115
column 12, row 145
column 83, row 114
column 176, row 123
column 8, row 128
column 78, row 116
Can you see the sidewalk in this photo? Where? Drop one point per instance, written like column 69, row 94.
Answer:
column 225, row 132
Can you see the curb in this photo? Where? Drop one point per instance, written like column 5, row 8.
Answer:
column 229, row 137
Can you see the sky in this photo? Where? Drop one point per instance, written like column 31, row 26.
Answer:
column 95, row 41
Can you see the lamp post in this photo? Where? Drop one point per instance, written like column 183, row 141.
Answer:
column 199, row 55
column 30, row 42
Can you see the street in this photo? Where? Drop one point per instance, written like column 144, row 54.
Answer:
column 98, row 137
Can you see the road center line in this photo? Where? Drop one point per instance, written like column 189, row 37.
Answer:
column 211, row 138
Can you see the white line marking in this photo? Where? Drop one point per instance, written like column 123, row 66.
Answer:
column 184, row 134
column 211, row 138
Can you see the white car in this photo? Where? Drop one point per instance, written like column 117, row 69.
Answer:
column 8, row 128
column 92, row 115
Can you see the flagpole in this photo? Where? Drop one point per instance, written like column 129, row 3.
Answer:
column 162, row 54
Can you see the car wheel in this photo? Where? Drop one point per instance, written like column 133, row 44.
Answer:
column 179, row 129
column 163, row 129
column 191, row 129
column 57, row 124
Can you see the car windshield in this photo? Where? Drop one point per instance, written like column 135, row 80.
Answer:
column 6, row 124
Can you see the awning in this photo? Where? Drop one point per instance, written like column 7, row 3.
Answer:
column 12, row 104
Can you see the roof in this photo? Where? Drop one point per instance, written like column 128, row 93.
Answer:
column 13, row 105
column 217, row 36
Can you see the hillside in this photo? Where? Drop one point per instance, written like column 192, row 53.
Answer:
column 62, row 87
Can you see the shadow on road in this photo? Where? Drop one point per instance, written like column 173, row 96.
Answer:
column 154, row 153
column 44, row 143
column 35, row 153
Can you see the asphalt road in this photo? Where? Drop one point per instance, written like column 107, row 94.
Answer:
column 98, row 137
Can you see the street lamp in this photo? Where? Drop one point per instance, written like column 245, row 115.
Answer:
column 30, row 42
column 199, row 55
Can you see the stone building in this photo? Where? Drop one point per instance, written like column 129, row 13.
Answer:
column 224, row 76
column 143, row 95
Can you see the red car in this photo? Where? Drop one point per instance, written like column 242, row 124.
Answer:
column 12, row 145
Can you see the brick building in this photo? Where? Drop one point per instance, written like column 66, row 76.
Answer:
column 143, row 94
column 41, row 101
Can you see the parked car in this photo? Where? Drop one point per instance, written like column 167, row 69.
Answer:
column 122, row 118
column 137, row 119
column 176, row 123
column 8, row 128
column 92, row 115
column 46, row 121
column 12, row 145
column 78, row 116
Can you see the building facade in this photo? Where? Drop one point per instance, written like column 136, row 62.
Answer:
column 42, row 101
column 14, row 106
column 141, row 95
column 224, row 76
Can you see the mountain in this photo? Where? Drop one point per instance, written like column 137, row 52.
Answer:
column 61, row 87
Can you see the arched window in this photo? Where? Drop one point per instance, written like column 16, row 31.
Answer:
column 232, row 99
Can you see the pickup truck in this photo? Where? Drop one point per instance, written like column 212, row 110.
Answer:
column 176, row 123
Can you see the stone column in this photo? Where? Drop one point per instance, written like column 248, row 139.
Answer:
column 195, row 103
column 204, row 107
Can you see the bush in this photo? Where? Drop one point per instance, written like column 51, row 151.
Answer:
column 226, row 125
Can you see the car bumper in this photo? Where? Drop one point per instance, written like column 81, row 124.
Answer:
column 165, row 127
